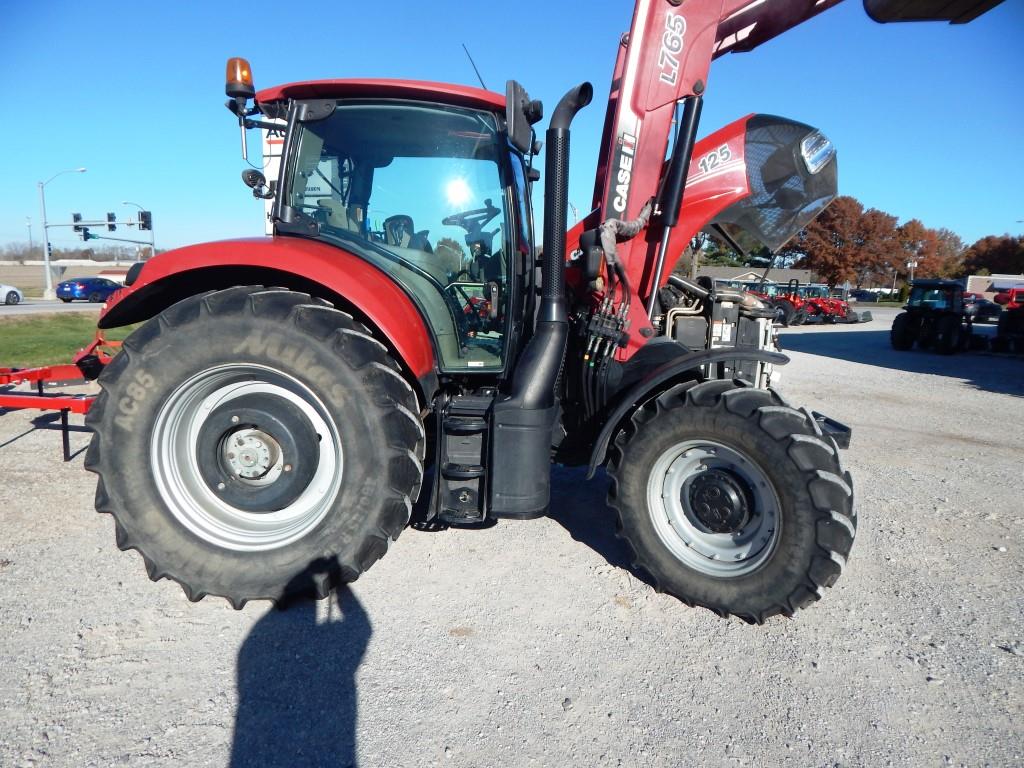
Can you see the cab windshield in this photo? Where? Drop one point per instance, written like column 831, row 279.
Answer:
column 418, row 189
column 929, row 297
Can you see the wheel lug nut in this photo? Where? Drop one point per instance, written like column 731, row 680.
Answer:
column 287, row 467
column 220, row 486
column 234, row 419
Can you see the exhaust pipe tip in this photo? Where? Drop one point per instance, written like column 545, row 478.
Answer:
column 572, row 102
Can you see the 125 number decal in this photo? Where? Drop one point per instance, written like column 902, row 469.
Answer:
column 715, row 158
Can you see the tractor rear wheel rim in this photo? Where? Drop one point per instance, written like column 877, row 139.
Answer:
column 749, row 520
column 185, row 488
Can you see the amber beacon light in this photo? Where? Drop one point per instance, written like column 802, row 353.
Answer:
column 239, row 79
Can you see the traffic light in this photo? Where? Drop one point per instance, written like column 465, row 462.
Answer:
column 145, row 219
column 85, row 233
column 111, row 226
column 76, row 217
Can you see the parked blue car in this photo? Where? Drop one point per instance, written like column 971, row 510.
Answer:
column 94, row 289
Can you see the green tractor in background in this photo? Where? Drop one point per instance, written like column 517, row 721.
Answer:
column 934, row 318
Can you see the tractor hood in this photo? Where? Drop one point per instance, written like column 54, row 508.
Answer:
column 792, row 176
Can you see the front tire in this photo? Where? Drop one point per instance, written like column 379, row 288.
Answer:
column 783, row 525
column 788, row 312
column 903, row 332
column 255, row 444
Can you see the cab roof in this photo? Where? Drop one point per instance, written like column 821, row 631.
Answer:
column 420, row 90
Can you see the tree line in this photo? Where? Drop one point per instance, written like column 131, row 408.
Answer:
column 21, row 252
column 868, row 248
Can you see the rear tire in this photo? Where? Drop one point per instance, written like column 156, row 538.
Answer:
column 255, row 444
column 790, row 526
column 948, row 335
column 904, row 332
column 66, row 301
column 95, row 298
column 11, row 298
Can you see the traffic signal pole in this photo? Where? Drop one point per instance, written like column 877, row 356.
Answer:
column 48, row 278
column 48, row 291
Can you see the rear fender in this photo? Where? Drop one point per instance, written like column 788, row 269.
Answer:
column 325, row 271
column 685, row 367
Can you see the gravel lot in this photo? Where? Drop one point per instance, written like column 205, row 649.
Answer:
column 531, row 643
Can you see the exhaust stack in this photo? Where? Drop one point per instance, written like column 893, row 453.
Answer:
column 523, row 420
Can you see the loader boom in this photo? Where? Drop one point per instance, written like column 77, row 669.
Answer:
column 659, row 80
column 662, row 69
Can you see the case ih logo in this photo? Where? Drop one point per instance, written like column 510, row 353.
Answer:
column 627, row 149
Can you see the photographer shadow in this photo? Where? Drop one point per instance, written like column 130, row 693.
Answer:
column 296, row 685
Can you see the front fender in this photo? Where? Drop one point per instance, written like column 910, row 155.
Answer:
column 658, row 380
column 306, row 265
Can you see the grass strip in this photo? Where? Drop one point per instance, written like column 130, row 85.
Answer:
column 34, row 340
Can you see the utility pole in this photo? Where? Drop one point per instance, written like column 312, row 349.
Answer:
column 28, row 223
column 47, row 275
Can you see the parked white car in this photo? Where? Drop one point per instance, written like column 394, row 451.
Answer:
column 10, row 295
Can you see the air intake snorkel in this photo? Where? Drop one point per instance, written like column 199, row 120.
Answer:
column 523, row 419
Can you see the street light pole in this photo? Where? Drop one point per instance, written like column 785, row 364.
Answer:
column 28, row 223
column 152, row 235
column 48, row 277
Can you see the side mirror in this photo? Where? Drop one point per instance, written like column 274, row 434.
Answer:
column 521, row 112
column 257, row 182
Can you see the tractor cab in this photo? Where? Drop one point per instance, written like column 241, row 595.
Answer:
column 420, row 180
column 945, row 296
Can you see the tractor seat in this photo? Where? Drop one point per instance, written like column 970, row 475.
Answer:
column 399, row 230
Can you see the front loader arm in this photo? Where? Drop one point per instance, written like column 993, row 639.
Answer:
column 662, row 63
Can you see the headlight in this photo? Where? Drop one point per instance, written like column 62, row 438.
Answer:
column 816, row 150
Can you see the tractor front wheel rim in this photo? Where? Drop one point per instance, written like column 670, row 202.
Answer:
column 732, row 538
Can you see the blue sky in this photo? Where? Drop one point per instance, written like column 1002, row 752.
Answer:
column 927, row 118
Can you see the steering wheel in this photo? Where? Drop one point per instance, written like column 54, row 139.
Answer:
column 472, row 221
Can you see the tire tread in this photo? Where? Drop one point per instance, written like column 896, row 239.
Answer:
column 379, row 371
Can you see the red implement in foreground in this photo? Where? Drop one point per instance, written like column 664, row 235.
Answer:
column 87, row 364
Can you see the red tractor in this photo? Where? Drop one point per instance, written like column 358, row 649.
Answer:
column 1012, row 298
column 820, row 301
column 798, row 304
column 266, row 433
column 1010, row 330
